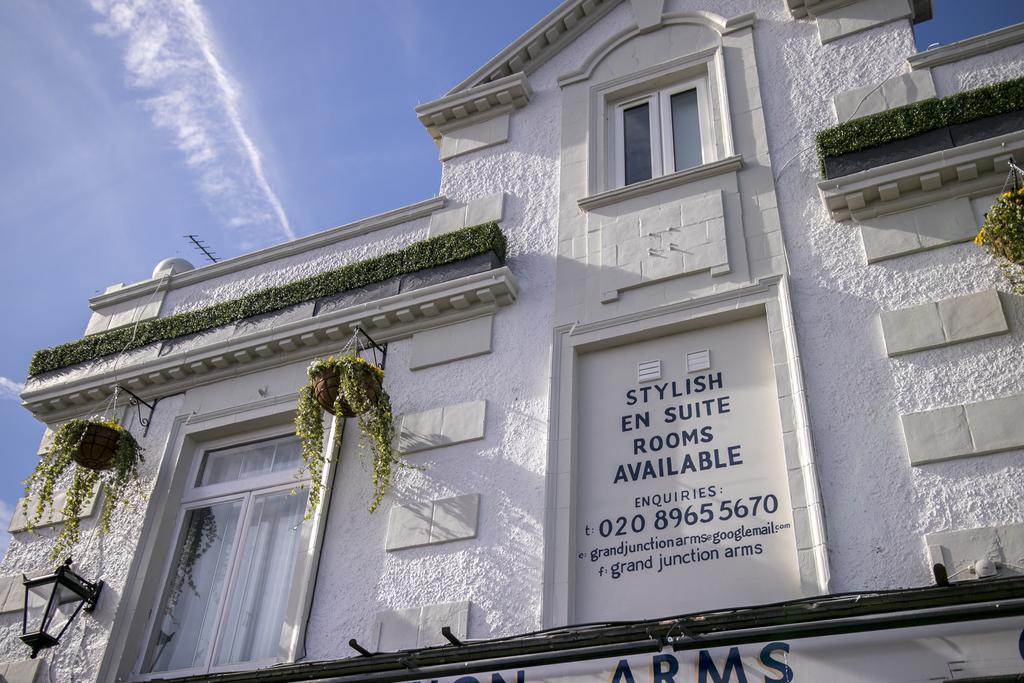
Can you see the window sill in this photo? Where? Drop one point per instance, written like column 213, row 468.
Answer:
column 620, row 194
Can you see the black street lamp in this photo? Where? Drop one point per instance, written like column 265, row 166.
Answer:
column 52, row 602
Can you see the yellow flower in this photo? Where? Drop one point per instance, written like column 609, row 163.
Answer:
column 979, row 239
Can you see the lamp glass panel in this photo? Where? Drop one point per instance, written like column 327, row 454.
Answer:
column 195, row 589
column 37, row 599
column 65, row 605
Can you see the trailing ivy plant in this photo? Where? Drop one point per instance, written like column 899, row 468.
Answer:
column 1002, row 234
column 200, row 537
column 428, row 253
column 118, row 482
column 362, row 390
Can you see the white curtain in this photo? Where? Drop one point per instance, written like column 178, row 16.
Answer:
column 259, row 599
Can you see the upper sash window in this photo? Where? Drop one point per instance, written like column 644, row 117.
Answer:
column 662, row 132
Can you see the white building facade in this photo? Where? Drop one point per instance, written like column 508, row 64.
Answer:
column 713, row 371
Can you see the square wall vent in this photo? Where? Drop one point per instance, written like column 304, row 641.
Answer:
column 698, row 360
column 648, row 371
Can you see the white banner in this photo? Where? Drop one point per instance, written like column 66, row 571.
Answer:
column 915, row 655
column 682, row 493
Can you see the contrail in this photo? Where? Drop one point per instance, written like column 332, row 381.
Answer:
column 170, row 50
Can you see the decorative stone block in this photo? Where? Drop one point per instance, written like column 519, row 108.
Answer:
column 950, row 321
column 936, row 435
column 403, row 629
column 973, row 316
column 12, row 593
column 448, row 220
column 125, row 313
column 454, row 615
column 997, row 425
column 454, row 518
column 25, row 671
column 396, row 629
column 420, row 431
column 894, row 92
column 409, row 526
column 439, row 521
column 475, row 136
column 463, row 422
column 959, row 550
column 442, row 426
column 882, row 239
column 928, row 227
column 912, row 329
column 481, row 210
column 660, row 221
column 855, row 17
column 19, row 521
column 961, row 431
column 486, row 209
column 451, row 342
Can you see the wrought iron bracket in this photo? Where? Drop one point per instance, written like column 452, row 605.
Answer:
column 134, row 400
column 371, row 344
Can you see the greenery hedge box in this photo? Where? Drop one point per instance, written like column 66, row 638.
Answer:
column 429, row 253
column 921, row 128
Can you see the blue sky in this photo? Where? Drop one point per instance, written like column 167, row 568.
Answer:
column 247, row 123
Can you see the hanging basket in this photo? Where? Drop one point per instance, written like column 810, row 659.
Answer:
column 327, row 386
column 98, row 447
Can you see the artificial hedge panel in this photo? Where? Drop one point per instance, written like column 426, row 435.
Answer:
column 428, row 253
column 920, row 117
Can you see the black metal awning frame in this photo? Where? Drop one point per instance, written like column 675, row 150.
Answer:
column 805, row 618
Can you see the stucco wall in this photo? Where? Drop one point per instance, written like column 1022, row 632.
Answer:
column 878, row 507
column 96, row 556
column 501, row 572
column 974, row 72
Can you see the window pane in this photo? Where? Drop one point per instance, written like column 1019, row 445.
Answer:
column 192, row 598
column 259, row 598
column 636, row 140
column 686, row 130
column 250, row 460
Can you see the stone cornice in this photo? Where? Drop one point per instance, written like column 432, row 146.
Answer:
column 63, row 395
column 974, row 169
column 620, row 194
column 969, row 47
column 812, row 8
column 302, row 244
column 541, row 42
column 474, row 104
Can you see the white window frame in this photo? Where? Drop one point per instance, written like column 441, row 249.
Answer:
column 202, row 496
column 662, row 143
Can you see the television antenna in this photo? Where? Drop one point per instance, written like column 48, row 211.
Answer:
column 201, row 246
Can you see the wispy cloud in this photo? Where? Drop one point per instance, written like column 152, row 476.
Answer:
column 9, row 389
column 171, row 52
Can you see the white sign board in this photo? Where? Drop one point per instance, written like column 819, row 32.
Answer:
column 682, row 495
column 911, row 655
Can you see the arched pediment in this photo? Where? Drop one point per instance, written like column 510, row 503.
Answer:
column 715, row 22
